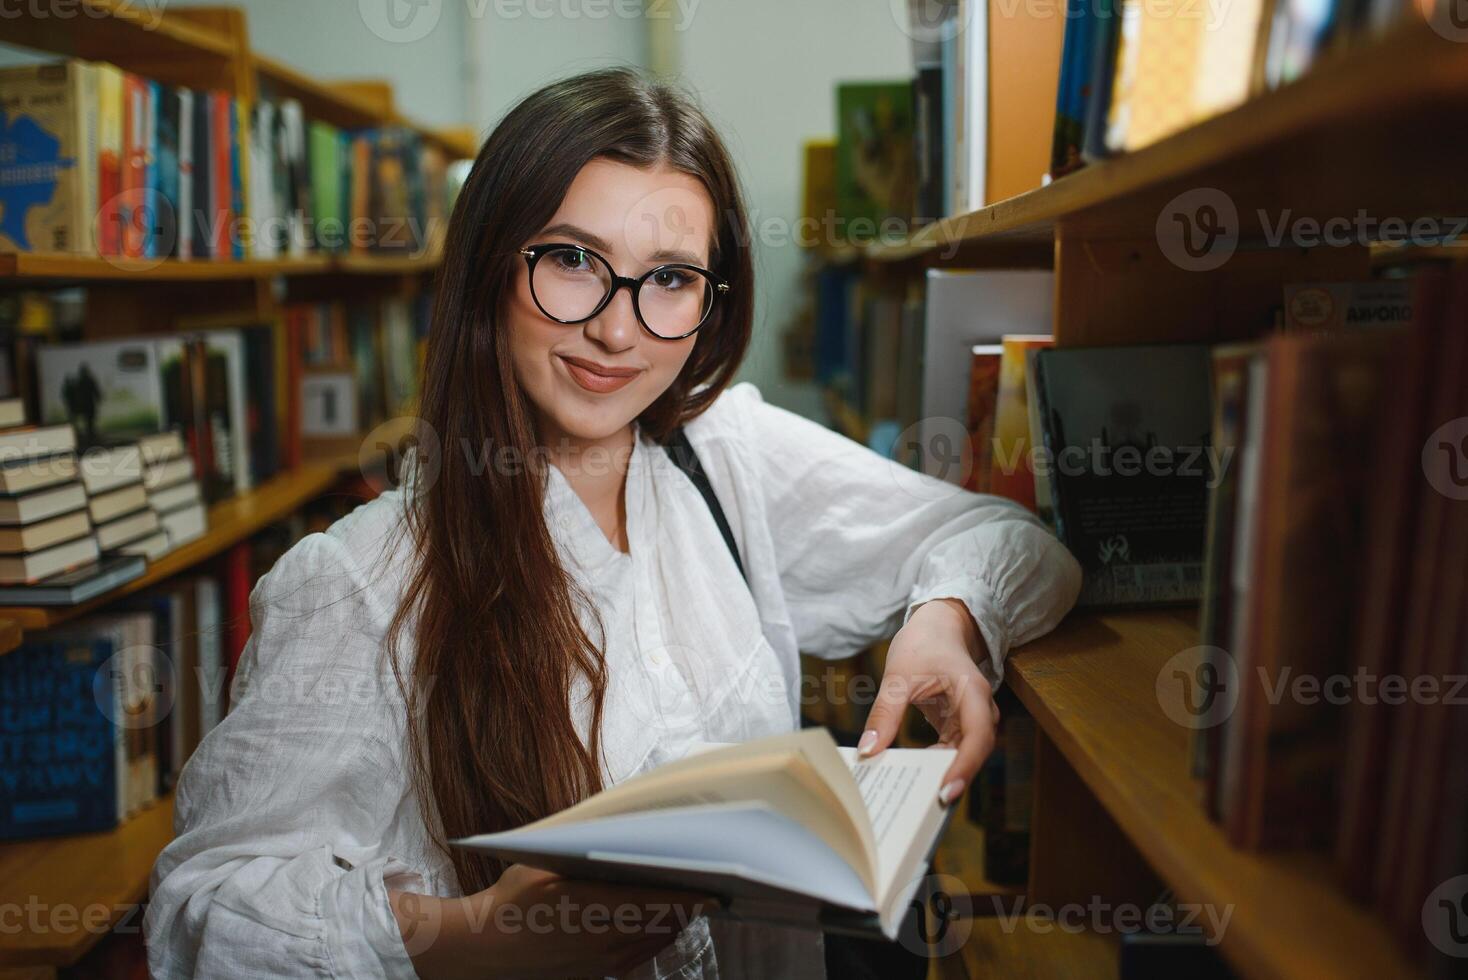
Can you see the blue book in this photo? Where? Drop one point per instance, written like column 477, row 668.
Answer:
column 150, row 170
column 59, row 747
column 236, row 184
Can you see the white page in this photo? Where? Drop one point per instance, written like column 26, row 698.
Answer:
column 900, row 789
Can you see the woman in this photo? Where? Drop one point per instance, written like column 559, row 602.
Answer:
column 549, row 606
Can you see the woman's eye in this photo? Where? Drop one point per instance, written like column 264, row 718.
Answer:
column 671, row 279
column 571, row 261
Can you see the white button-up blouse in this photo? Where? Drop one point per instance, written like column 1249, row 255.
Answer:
column 296, row 814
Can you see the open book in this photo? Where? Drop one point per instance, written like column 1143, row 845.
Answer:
column 789, row 829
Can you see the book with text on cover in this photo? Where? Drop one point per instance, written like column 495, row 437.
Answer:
column 787, row 829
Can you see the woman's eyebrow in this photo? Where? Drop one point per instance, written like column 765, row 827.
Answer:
column 602, row 245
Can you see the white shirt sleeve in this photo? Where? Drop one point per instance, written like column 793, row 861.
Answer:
column 277, row 869
column 862, row 540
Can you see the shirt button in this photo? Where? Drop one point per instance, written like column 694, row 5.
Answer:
column 657, row 658
column 565, row 520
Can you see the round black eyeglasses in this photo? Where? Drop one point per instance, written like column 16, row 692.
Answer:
column 572, row 284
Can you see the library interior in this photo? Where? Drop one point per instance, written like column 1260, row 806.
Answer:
column 383, row 594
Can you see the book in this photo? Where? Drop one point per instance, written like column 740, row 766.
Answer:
column 64, row 754
column 114, row 503
column 18, row 476
column 37, row 443
column 135, row 153
column 44, row 534
column 173, row 497
column 151, row 546
column 185, row 524
column 12, row 412
column 874, row 164
column 110, row 390
column 126, row 529
column 41, row 504
column 964, row 307
column 788, row 829
column 27, row 569
column 105, row 468
column 1126, row 434
column 48, row 158
column 78, row 585
column 1320, row 407
column 983, row 394
column 1012, row 474
column 110, row 217
column 168, row 473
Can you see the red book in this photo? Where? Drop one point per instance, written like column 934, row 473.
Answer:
column 983, row 395
column 222, row 216
column 134, row 163
column 237, row 582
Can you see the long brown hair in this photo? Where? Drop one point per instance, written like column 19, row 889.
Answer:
column 498, row 646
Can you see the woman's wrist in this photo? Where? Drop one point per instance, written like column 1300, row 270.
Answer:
column 951, row 617
column 446, row 938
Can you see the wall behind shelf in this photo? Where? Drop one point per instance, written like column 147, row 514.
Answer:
column 331, row 40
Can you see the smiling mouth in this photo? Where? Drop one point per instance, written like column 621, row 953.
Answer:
column 585, row 374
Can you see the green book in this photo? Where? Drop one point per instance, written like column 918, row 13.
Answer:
column 326, row 187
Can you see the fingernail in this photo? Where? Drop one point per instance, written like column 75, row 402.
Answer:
column 949, row 793
column 868, row 741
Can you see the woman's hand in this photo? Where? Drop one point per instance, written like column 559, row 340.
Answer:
column 533, row 923
column 932, row 663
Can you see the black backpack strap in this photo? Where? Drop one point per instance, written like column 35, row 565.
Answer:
column 683, row 455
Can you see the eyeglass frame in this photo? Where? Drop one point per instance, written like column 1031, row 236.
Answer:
column 533, row 254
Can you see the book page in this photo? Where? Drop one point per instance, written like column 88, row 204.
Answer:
column 900, row 790
column 799, row 774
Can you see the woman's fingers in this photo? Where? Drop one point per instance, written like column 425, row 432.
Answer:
column 974, row 740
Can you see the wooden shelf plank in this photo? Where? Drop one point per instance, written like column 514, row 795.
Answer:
column 1091, row 686
column 11, row 635
column 79, row 886
column 1021, row 949
column 107, row 27
column 230, row 522
column 84, row 268
column 1368, row 128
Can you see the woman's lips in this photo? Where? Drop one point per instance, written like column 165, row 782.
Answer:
column 594, row 381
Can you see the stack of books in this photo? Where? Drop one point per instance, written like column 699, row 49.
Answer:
column 173, row 490
column 117, row 502
column 49, row 549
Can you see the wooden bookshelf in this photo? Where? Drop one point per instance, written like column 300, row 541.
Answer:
column 11, row 635
column 1091, row 687
column 230, row 522
column 52, row 267
column 81, row 885
column 1383, row 126
column 1021, row 949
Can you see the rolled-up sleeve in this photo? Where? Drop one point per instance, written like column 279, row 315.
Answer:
column 278, row 868
column 861, row 541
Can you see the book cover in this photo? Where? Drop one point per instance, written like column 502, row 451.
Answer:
column 109, row 390
column 168, row 200
column 874, row 164
column 983, row 395
column 1012, row 474
column 1321, row 403
column 325, row 164
column 223, row 216
column 134, row 165
column 1127, row 449
column 58, row 740
column 48, row 174
column 110, row 123
column 183, row 212
column 202, row 217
